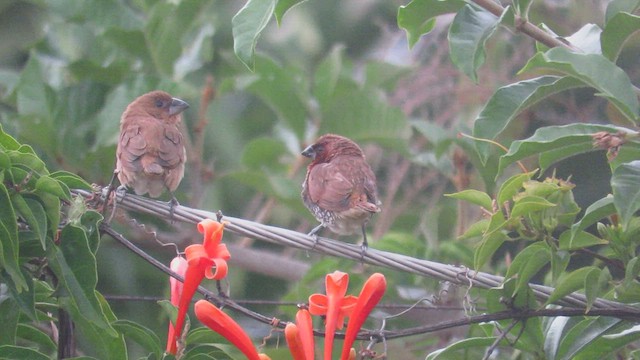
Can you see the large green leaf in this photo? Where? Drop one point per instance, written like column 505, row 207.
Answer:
column 283, row 6
column 141, row 335
column 364, row 114
column 468, row 33
column 617, row 6
column 248, row 24
column 9, row 248
column 625, row 183
column 20, row 352
column 595, row 212
column 595, row 71
column 74, row 264
column 9, row 315
column 551, row 138
column 527, row 264
column 462, row 345
column 284, row 90
column 617, row 32
column 166, row 26
column 419, row 16
column 475, row 197
column 32, row 211
column 580, row 336
column 508, row 101
column 571, row 282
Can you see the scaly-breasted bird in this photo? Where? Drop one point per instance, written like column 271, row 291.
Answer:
column 340, row 187
column 151, row 153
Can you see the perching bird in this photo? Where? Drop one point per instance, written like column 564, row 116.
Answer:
column 151, row 153
column 340, row 187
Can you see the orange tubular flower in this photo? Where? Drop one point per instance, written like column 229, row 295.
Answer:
column 335, row 305
column 299, row 336
column 178, row 265
column 292, row 336
column 305, row 329
column 372, row 292
column 224, row 325
column 201, row 258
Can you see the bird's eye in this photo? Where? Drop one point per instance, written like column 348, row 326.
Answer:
column 159, row 103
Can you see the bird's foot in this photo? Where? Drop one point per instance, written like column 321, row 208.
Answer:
column 314, row 234
column 363, row 250
column 172, row 208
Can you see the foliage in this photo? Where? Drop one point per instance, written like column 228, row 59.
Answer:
column 260, row 90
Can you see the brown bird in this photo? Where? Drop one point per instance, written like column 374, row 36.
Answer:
column 151, row 155
column 340, row 187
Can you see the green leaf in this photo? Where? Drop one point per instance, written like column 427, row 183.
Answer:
column 617, row 6
column 165, row 28
column 617, row 31
column 247, row 25
column 625, row 183
column 419, row 16
column 550, row 138
column 363, row 114
column 9, row 315
column 7, row 141
column 475, row 230
column 508, row 101
column 74, row 264
column 579, row 240
column 36, row 336
column 283, row 6
column 32, row 211
column 489, row 245
column 30, row 162
column 512, row 186
column 594, row 70
column 263, row 153
column 527, row 264
column 72, row 181
column 475, row 197
column 580, row 336
column 529, row 204
column 550, row 157
column 19, row 352
column 32, row 98
column 522, row 7
column 471, row 28
column 573, row 281
column 283, row 90
column 463, row 345
column 596, row 211
column 9, row 247
column 48, row 185
column 141, row 335
column 327, row 75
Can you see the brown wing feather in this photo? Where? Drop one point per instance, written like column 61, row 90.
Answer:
column 338, row 185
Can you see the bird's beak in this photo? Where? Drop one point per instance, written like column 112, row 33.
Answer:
column 177, row 106
column 309, row 152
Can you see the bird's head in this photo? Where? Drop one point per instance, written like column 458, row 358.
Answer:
column 160, row 105
column 329, row 146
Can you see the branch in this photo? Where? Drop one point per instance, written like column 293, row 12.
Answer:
column 524, row 26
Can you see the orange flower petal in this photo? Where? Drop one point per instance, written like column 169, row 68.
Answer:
column 216, row 320
column 372, row 291
column 293, row 341
column 318, row 304
column 178, row 265
column 305, row 331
